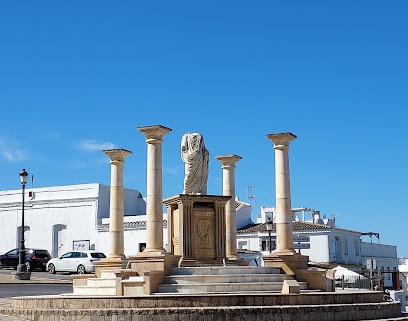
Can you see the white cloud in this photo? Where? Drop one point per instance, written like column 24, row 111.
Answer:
column 92, row 145
column 10, row 152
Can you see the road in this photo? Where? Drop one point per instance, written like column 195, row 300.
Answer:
column 28, row 289
column 40, row 283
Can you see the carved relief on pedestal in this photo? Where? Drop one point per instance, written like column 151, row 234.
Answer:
column 204, row 232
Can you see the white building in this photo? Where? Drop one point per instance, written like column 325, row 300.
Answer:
column 324, row 243
column 62, row 218
column 403, row 275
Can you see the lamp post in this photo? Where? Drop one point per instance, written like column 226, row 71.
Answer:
column 269, row 226
column 22, row 272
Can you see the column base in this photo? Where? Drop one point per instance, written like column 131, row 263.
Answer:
column 288, row 261
column 109, row 263
column 153, row 252
column 148, row 261
column 153, row 266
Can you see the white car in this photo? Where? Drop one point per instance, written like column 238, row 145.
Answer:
column 75, row 262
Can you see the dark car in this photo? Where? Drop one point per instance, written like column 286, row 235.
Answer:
column 34, row 259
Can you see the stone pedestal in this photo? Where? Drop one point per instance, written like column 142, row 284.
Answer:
column 289, row 262
column 196, row 228
column 153, row 267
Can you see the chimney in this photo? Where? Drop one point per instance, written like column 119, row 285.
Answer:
column 316, row 216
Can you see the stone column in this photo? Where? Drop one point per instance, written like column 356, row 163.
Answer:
column 116, row 242
column 154, row 198
column 228, row 189
column 284, row 228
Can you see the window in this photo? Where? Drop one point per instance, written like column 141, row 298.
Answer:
column 98, row 255
column 273, row 245
column 356, row 247
column 68, row 255
column 142, row 246
column 264, row 246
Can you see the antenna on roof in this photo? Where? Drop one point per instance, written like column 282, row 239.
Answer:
column 250, row 196
column 32, row 181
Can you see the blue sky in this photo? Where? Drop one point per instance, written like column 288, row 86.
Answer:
column 77, row 77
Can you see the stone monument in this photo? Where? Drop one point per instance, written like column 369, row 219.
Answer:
column 196, row 221
column 195, row 158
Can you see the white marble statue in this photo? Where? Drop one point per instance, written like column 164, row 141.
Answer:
column 195, row 158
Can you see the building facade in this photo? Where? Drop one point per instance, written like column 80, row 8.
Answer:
column 325, row 244
column 63, row 218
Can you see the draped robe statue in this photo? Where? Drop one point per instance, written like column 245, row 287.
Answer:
column 195, row 158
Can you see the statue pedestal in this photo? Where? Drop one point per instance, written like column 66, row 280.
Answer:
column 196, row 228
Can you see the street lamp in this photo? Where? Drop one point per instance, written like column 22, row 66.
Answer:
column 21, row 267
column 269, row 227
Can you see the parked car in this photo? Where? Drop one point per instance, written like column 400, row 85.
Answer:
column 34, row 259
column 75, row 262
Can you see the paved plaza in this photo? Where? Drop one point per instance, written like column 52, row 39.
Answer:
column 6, row 277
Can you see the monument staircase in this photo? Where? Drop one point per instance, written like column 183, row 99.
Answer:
column 229, row 293
column 225, row 279
column 202, row 279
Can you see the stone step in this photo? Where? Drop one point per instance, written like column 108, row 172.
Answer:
column 355, row 311
column 107, row 283
column 225, row 287
column 222, row 270
column 94, row 290
column 133, row 286
column 231, row 279
column 225, row 278
column 108, row 274
column 101, row 282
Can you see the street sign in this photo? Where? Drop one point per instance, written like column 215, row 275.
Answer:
column 301, row 238
column 299, row 246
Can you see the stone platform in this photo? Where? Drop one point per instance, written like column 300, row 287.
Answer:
column 313, row 306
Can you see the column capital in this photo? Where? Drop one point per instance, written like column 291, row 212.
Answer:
column 228, row 160
column 281, row 140
column 117, row 154
column 154, row 133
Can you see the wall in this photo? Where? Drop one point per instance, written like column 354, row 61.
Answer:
column 57, row 216
column 244, row 217
column 319, row 248
column 385, row 255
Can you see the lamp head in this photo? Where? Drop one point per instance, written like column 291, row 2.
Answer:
column 23, row 176
column 269, row 225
